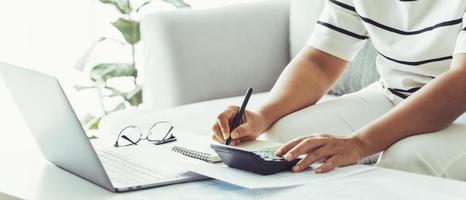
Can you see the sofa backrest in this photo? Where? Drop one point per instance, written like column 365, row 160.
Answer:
column 360, row 73
column 197, row 55
column 303, row 17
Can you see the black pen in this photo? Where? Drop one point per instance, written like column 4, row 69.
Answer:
column 239, row 115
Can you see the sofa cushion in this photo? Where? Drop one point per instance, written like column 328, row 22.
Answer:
column 360, row 73
column 193, row 55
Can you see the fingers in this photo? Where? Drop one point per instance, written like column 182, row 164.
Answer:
column 241, row 131
column 217, row 133
column 288, row 146
column 223, row 120
column 304, row 147
column 335, row 151
column 330, row 164
column 220, row 139
column 215, row 138
column 221, row 128
column 223, row 123
column 312, row 157
column 234, row 142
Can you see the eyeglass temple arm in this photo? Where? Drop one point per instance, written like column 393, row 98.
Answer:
column 126, row 138
column 168, row 133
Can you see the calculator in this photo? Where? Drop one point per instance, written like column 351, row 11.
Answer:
column 259, row 162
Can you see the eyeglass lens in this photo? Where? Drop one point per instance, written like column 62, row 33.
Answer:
column 160, row 131
column 129, row 136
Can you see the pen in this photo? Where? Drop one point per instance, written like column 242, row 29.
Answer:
column 237, row 120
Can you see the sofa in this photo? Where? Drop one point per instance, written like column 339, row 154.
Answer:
column 198, row 62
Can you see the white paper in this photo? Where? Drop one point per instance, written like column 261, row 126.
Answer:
column 283, row 179
column 202, row 143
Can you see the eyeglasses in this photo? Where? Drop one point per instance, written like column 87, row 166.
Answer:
column 159, row 133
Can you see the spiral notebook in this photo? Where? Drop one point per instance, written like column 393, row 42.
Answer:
column 202, row 151
column 207, row 157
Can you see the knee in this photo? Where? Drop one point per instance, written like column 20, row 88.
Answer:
column 316, row 119
column 406, row 155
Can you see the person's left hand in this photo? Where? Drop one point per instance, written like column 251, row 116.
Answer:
column 332, row 150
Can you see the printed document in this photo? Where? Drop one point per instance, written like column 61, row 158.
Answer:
column 283, row 179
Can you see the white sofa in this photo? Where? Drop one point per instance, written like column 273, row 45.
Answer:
column 197, row 61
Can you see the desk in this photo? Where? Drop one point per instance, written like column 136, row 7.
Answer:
column 26, row 174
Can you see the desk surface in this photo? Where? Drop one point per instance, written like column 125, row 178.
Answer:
column 26, row 174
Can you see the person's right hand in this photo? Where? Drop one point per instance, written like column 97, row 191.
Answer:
column 252, row 125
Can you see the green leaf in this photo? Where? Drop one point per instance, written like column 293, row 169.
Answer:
column 90, row 122
column 120, row 106
column 123, row 6
column 82, row 62
column 93, row 137
column 95, row 124
column 135, row 97
column 178, row 3
column 86, row 119
column 143, row 4
column 105, row 71
column 82, row 87
column 129, row 29
column 115, row 92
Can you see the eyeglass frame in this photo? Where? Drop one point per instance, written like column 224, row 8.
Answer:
column 164, row 140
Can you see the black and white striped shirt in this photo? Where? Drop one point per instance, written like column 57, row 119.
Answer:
column 415, row 39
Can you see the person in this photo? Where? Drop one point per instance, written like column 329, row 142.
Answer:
column 409, row 114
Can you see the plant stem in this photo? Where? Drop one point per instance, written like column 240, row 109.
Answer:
column 133, row 57
column 133, row 53
column 101, row 99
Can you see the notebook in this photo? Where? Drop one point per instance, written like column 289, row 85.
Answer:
column 201, row 150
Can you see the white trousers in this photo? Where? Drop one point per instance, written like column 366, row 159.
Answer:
column 440, row 154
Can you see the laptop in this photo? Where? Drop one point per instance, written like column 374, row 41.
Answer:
column 64, row 143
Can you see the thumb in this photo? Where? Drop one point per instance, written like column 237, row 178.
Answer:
column 241, row 131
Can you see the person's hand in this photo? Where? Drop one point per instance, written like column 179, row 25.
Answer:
column 252, row 125
column 333, row 151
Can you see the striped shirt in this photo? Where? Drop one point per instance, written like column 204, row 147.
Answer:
column 415, row 39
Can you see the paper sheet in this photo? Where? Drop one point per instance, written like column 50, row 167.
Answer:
column 202, row 143
column 283, row 179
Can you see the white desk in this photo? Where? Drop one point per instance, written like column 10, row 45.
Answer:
column 26, row 174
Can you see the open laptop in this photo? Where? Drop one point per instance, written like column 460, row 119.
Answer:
column 63, row 141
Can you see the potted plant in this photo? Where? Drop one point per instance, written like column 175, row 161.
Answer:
column 101, row 73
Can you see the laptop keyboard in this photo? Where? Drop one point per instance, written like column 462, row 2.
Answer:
column 123, row 171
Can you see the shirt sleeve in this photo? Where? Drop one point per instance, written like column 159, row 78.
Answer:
column 461, row 40
column 339, row 30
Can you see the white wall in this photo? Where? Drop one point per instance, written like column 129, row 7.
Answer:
column 47, row 35
column 51, row 35
column 44, row 35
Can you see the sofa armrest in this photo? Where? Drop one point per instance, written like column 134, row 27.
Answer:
column 197, row 55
